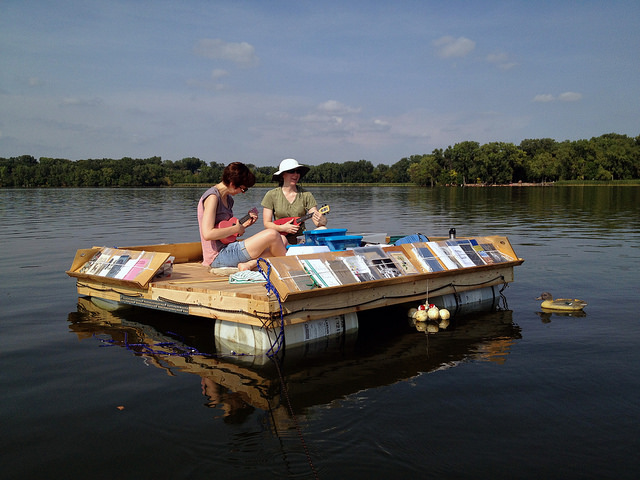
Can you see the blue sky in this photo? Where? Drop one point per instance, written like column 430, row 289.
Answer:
column 321, row 81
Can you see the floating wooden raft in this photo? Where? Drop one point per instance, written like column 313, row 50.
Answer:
column 190, row 289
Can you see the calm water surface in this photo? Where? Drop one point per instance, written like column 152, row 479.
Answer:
column 510, row 394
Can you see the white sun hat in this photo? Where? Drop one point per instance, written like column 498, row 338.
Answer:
column 289, row 164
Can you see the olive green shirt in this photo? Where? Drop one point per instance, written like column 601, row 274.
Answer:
column 276, row 201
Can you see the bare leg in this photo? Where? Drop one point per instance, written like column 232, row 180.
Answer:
column 267, row 243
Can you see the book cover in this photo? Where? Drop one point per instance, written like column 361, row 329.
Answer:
column 89, row 265
column 443, row 256
column 385, row 267
column 370, row 252
column 491, row 250
column 320, row 273
column 459, row 254
column 402, row 262
column 137, row 268
column 472, row 254
column 378, row 261
column 106, row 266
column 342, row 272
column 359, row 268
column 301, row 280
column 126, row 268
column 486, row 258
column 428, row 260
column 117, row 265
column 100, row 262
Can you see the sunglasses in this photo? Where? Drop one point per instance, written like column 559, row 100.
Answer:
column 243, row 189
column 299, row 171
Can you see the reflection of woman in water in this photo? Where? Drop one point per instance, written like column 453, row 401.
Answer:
column 236, row 409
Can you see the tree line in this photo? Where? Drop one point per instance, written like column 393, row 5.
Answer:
column 608, row 157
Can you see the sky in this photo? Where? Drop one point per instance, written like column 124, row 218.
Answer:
column 258, row 81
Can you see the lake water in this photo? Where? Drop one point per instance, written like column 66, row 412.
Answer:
column 509, row 394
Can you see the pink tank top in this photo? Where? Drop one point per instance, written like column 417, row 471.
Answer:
column 211, row 248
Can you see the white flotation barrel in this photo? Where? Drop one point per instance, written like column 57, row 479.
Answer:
column 254, row 340
column 478, row 300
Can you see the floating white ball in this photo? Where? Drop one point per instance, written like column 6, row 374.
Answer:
column 444, row 314
column 421, row 315
column 412, row 312
column 433, row 313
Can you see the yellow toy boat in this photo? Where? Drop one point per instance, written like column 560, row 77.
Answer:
column 570, row 304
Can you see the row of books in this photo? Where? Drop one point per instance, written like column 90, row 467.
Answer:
column 375, row 263
column 122, row 264
column 453, row 254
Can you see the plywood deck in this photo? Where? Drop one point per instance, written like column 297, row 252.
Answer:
column 193, row 290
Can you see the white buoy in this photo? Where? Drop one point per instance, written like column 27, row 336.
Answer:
column 412, row 312
column 421, row 315
column 433, row 313
column 444, row 314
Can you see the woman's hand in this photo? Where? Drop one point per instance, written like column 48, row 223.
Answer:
column 319, row 219
column 289, row 228
column 253, row 217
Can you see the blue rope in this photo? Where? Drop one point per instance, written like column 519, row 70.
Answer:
column 176, row 350
column 279, row 341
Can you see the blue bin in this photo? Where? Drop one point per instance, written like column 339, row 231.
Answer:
column 342, row 242
column 316, row 237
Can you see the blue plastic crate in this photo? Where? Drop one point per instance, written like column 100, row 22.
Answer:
column 342, row 242
column 316, row 237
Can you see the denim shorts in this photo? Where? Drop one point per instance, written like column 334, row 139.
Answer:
column 231, row 255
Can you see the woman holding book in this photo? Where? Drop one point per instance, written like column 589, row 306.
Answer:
column 218, row 232
column 289, row 199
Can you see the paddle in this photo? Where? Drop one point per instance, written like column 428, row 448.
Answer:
column 299, row 220
column 233, row 221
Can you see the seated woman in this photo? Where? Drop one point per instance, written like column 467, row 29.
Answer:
column 215, row 206
column 290, row 200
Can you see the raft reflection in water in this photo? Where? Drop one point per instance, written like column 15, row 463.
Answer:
column 385, row 350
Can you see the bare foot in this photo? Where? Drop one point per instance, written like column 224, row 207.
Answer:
column 250, row 265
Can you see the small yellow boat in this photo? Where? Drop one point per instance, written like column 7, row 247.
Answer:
column 566, row 304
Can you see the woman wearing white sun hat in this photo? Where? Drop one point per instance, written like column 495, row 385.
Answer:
column 289, row 199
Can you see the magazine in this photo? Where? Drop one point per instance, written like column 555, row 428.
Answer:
column 385, row 267
column 378, row 261
column 359, row 268
column 342, row 272
column 459, row 254
column 402, row 262
column 427, row 259
column 320, row 272
column 443, row 255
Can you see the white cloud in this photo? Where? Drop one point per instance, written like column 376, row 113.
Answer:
column 80, row 102
column 213, row 48
column 563, row 97
column 543, row 98
column 218, row 73
column 501, row 60
column 570, row 97
column 337, row 108
column 448, row 46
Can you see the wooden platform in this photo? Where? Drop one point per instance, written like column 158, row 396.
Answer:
column 192, row 290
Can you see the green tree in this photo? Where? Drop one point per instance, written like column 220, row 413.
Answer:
column 426, row 171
